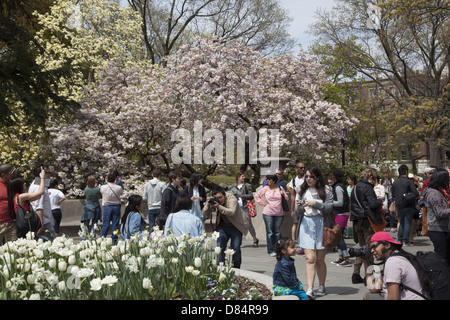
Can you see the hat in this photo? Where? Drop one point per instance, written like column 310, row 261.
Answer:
column 429, row 170
column 410, row 175
column 383, row 236
column 374, row 166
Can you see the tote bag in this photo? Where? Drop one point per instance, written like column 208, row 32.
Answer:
column 251, row 205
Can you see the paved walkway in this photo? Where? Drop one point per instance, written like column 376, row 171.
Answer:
column 338, row 283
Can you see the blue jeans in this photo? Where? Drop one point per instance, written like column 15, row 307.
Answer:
column 152, row 214
column 111, row 214
column 342, row 246
column 273, row 233
column 405, row 216
column 225, row 233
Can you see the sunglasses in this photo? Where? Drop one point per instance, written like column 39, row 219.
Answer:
column 374, row 246
column 301, row 168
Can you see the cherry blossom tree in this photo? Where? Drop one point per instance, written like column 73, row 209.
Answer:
column 127, row 121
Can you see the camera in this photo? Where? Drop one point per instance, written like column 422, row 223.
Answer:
column 363, row 252
column 213, row 200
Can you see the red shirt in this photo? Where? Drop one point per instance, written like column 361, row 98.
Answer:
column 25, row 206
column 4, row 212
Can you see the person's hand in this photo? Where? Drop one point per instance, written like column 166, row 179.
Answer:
column 215, row 205
column 310, row 203
column 42, row 174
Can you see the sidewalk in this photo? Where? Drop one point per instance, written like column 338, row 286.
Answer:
column 338, row 282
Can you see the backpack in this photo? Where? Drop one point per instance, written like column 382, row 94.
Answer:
column 438, row 272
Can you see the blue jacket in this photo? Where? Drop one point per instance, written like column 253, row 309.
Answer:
column 133, row 225
column 183, row 222
column 285, row 274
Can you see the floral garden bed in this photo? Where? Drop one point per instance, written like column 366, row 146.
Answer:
column 156, row 268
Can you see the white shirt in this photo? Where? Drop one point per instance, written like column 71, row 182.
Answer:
column 55, row 195
column 298, row 183
column 43, row 203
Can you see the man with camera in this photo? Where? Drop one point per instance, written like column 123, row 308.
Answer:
column 231, row 223
column 400, row 278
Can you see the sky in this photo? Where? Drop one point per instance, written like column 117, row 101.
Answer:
column 303, row 13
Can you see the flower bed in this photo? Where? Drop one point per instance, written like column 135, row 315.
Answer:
column 154, row 267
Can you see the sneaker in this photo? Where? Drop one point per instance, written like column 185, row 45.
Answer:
column 337, row 262
column 310, row 293
column 272, row 254
column 345, row 263
column 321, row 291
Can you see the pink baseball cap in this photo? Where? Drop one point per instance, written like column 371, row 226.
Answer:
column 384, row 236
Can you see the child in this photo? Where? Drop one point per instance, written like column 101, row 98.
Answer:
column 132, row 221
column 285, row 281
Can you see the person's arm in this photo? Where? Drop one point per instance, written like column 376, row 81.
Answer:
column 393, row 291
column 325, row 207
column 289, row 278
column 249, row 194
column 340, row 197
column 293, row 196
column 259, row 195
column 62, row 198
column 230, row 208
column 24, row 197
column 372, row 200
column 438, row 204
column 165, row 201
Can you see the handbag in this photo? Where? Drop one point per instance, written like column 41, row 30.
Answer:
column 332, row 232
column 284, row 202
column 251, row 205
column 27, row 221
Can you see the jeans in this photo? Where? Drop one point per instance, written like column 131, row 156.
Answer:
column 152, row 214
column 342, row 246
column 111, row 214
column 225, row 233
column 405, row 216
column 273, row 233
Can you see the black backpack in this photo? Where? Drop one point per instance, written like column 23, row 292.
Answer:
column 438, row 272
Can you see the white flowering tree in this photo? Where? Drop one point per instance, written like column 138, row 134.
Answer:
column 126, row 122
column 85, row 36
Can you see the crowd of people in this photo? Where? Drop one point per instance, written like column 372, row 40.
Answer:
column 370, row 205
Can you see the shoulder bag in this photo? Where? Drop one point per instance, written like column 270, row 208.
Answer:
column 284, row 202
column 27, row 221
column 332, row 232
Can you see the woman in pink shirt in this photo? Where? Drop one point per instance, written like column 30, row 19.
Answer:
column 273, row 211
